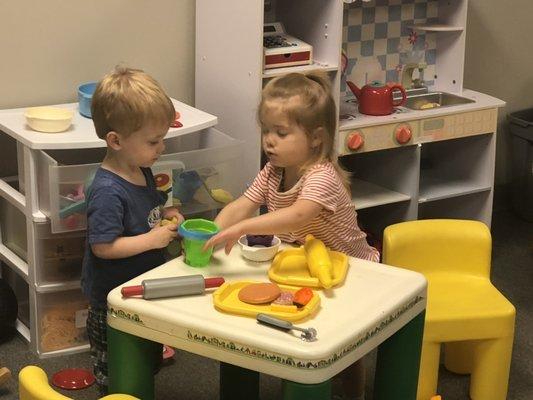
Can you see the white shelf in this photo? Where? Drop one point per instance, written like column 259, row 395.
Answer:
column 270, row 73
column 64, row 352
column 81, row 134
column 437, row 188
column 58, row 286
column 14, row 261
column 436, row 28
column 23, row 330
column 366, row 194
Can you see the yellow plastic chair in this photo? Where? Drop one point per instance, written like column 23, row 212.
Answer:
column 465, row 311
column 33, row 385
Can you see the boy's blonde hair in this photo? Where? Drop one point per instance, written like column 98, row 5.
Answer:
column 127, row 100
column 314, row 108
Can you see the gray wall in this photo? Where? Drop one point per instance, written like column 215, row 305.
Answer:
column 49, row 47
column 499, row 62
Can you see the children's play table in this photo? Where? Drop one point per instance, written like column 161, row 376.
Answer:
column 376, row 306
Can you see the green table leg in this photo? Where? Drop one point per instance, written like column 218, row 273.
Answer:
column 131, row 364
column 299, row 391
column 398, row 362
column 238, row 383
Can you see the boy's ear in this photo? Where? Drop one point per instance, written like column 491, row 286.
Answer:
column 113, row 140
column 317, row 138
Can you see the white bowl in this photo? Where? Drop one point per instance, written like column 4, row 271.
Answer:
column 49, row 119
column 259, row 253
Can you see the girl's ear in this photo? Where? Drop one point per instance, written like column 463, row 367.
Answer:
column 113, row 140
column 317, row 138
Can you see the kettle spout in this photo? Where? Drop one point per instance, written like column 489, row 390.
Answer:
column 355, row 90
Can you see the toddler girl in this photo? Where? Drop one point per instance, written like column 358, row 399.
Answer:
column 303, row 187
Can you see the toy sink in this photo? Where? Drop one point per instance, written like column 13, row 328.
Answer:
column 226, row 298
column 289, row 267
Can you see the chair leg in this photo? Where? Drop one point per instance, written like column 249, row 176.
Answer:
column 490, row 372
column 458, row 357
column 429, row 370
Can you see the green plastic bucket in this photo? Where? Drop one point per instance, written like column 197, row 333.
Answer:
column 195, row 232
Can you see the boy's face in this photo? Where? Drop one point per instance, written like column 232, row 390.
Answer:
column 143, row 147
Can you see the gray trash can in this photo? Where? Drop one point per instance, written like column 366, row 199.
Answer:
column 521, row 124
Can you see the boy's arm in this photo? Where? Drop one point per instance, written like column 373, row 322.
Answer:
column 280, row 221
column 127, row 246
column 235, row 212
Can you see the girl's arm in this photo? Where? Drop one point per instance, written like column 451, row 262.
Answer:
column 280, row 221
column 235, row 212
column 127, row 246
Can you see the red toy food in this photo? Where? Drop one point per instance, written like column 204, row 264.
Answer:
column 302, row 297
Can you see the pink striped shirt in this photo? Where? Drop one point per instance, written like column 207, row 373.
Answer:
column 336, row 225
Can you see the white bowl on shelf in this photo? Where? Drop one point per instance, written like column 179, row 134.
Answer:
column 259, row 253
column 48, row 119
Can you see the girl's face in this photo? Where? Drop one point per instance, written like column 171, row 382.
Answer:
column 285, row 143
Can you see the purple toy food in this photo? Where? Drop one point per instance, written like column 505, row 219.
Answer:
column 259, row 240
column 285, row 299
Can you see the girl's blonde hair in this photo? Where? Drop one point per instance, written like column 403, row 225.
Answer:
column 127, row 100
column 314, row 108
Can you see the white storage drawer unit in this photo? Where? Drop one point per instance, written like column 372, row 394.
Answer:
column 211, row 153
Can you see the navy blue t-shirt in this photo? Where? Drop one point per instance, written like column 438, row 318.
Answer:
column 117, row 208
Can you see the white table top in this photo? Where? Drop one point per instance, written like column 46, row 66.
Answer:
column 81, row 134
column 372, row 304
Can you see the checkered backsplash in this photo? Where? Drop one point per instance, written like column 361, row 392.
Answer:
column 378, row 42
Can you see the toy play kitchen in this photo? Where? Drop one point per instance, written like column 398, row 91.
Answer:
column 376, row 98
column 430, row 157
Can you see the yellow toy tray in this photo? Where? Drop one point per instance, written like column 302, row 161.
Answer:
column 289, row 267
column 226, row 299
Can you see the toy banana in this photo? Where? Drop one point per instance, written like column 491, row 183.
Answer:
column 318, row 261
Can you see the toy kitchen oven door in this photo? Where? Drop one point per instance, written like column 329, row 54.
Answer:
column 283, row 50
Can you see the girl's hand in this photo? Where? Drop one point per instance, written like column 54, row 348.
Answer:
column 161, row 236
column 171, row 212
column 229, row 236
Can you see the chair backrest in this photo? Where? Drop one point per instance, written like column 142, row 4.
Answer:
column 33, row 385
column 439, row 246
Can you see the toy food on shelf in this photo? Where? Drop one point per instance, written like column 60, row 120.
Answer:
column 259, row 293
column 227, row 298
column 292, row 266
column 318, row 261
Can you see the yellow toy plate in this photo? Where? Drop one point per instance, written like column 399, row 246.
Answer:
column 289, row 267
column 226, row 298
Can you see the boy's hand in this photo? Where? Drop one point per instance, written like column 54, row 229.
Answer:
column 173, row 212
column 161, row 236
column 228, row 236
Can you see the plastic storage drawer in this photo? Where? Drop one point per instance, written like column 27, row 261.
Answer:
column 61, row 321
column 211, row 153
column 59, row 256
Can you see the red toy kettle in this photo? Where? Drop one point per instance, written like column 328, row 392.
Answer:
column 376, row 98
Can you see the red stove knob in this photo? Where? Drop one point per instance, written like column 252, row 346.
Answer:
column 354, row 141
column 403, row 134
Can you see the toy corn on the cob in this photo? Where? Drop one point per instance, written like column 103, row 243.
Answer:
column 318, row 260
